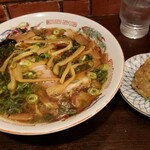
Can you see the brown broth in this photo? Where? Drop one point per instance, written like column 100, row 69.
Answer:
column 51, row 74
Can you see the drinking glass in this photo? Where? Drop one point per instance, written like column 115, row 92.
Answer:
column 135, row 18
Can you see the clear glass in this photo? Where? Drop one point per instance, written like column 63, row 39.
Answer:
column 135, row 18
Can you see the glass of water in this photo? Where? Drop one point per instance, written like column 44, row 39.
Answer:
column 135, row 18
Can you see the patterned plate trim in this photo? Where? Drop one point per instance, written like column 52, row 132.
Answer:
column 129, row 94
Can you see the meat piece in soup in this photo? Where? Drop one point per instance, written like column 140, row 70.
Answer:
column 51, row 74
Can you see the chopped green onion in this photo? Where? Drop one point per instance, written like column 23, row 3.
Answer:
column 25, row 63
column 88, row 57
column 34, row 48
column 30, row 75
column 39, row 44
column 56, row 32
column 63, row 57
column 72, row 111
column 104, row 67
column 45, row 55
column 51, row 37
column 93, row 91
column 90, row 63
column 102, row 76
column 32, row 98
column 91, row 75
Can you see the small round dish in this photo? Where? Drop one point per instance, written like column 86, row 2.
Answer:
column 129, row 94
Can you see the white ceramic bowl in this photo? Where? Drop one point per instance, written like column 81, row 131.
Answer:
column 66, row 20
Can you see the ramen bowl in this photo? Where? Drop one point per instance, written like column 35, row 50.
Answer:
column 94, row 31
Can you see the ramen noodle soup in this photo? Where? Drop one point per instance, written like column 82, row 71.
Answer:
column 50, row 74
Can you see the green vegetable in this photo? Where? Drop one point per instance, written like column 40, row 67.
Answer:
column 45, row 55
column 63, row 57
column 88, row 57
column 30, row 75
column 56, row 31
column 4, row 80
column 102, row 76
column 24, row 88
column 11, row 103
column 92, row 75
column 76, row 45
column 85, row 58
column 41, row 56
column 26, row 63
column 39, row 44
column 51, row 37
column 71, row 111
column 70, row 51
column 90, row 63
column 6, row 49
column 93, row 91
column 102, row 73
column 104, row 67
column 32, row 98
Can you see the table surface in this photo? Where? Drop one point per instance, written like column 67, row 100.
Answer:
column 116, row 127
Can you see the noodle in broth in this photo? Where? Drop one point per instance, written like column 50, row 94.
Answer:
column 50, row 75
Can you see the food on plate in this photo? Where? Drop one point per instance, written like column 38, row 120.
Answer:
column 50, row 74
column 141, row 80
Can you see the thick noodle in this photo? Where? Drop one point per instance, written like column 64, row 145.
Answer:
column 50, row 75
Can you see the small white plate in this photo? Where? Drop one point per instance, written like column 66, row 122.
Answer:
column 129, row 94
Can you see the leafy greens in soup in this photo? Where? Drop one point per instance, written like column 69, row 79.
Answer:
column 50, row 74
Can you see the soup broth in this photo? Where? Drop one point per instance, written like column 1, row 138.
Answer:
column 50, row 74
